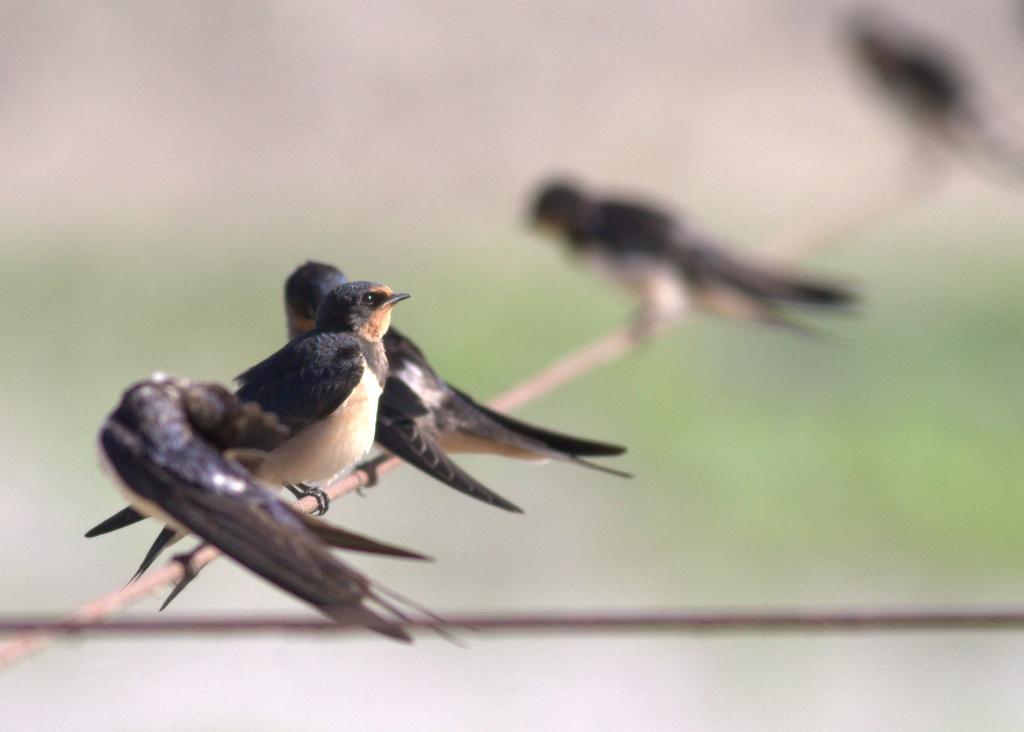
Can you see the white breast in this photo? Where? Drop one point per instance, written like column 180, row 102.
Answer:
column 326, row 448
column 658, row 285
column 413, row 375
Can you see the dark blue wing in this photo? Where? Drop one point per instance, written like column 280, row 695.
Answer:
column 306, row 380
column 224, row 506
column 634, row 228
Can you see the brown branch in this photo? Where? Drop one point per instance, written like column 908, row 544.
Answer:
column 673, row 621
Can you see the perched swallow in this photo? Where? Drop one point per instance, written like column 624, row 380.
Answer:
column 421, row 418
column 922, row 79
column 323, row 387
column 670, row 266
column 170, row 444
column 931, row 89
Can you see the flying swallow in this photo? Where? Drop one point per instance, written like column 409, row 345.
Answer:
column 421, row 418
column 670, row 266
column 930, row 87
column 323, row 387
column 171, row 446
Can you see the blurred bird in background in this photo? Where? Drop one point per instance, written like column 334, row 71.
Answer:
column 669, row 265
column 934, row 92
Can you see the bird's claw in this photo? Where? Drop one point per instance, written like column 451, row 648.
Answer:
column 301, row 490
column 650, row 323
column 369, row 469
column 372, row 476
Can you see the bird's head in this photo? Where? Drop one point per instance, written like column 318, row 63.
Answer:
column 304, row 290
column 869, row 34
column 558, row 206
column 363, row 308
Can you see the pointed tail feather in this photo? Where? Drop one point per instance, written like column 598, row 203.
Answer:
column 166, row 536
column 182, row 584
column 343, row 539
column 364, row 616
column 560, row 442
column 784, row 287
column 379, row 595
column 402, row 438
column 773, row 317
column 602, row 468
column 806, row 292
column 125, row 517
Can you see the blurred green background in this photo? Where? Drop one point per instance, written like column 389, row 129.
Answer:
column 165, row 167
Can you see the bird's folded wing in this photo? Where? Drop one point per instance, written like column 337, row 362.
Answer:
column 340, row 538
column 400, row 436
column 222, row 419
column 560, row 442
column 250, row 524
column 306, row 380
column 400, row 399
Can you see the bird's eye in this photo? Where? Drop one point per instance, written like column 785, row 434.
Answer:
column 371, row 298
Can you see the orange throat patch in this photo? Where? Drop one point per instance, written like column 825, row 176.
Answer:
column 375, row 328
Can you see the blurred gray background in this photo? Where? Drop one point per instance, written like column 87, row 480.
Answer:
column 166, row 166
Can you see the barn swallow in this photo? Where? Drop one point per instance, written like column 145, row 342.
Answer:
column 421, row 418
column 930, row 87
column 324, row 387
column 171, row 445
column 921, row 78
column 669, row 266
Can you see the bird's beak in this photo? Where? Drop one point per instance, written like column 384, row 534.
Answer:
column 397, row 297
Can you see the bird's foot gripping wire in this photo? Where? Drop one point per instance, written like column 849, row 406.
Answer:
column 646, row 325
column 301, row 490
column 189, row 573
column 369, row 468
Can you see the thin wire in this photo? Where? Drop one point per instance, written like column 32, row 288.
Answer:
column 671, row 621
